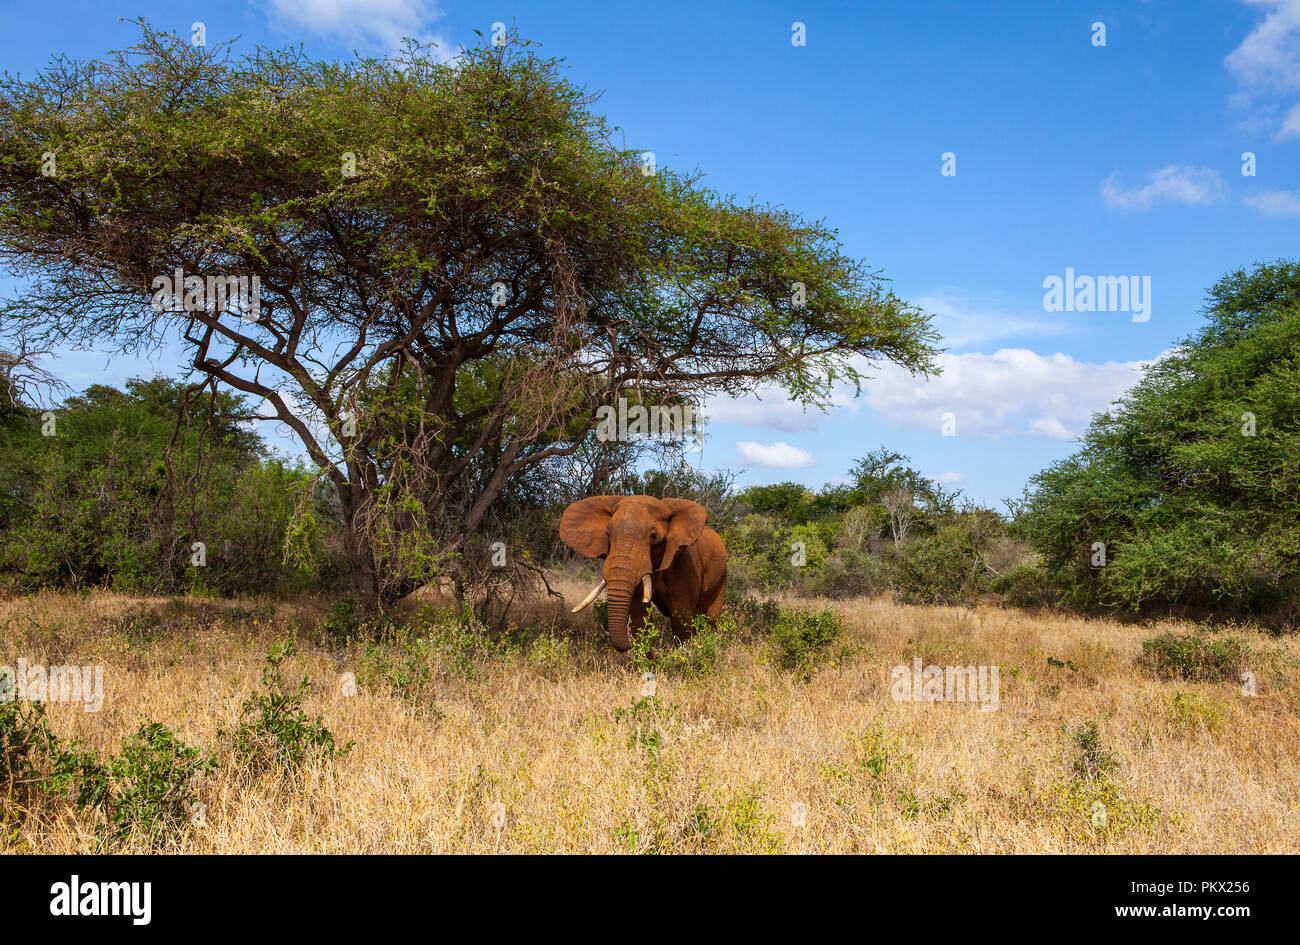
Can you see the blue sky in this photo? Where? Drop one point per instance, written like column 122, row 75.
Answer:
column 1115, row 160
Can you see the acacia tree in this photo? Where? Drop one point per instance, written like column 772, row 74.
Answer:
column 454, row 265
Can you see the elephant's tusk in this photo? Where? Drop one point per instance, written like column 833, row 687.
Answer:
column 645, row 589
column 590, row 597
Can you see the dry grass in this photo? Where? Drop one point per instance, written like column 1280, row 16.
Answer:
column 444, row 730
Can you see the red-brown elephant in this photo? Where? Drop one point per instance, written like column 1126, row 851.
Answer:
column 654, row 549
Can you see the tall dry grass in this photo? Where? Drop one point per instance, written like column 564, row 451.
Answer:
column 746, row 758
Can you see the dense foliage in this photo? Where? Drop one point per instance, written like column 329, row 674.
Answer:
column 1187, row 493
column 115, row 488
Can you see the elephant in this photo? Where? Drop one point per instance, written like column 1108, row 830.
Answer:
column 661, row 544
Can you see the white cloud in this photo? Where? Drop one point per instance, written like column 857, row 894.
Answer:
column 1267, row 63
column 1275, row 203
column 1012, row 392
column 1291, row 125
column 950, row 478
column 1175, row 184
column 777, row 456
column 377, row 25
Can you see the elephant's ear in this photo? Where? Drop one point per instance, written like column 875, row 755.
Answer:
column 584, row 526
column 685, row 524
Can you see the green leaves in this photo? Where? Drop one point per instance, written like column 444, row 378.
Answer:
column 1192, row 481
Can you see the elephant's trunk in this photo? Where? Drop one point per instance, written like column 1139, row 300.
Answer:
column 623, row 574
column 617, row 617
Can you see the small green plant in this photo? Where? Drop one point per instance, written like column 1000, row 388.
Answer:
column 643, row 641
column 1194, row 657
column 1091, row 803
column 34, row 765
column 550, row 655
column 912, row 805
column 800, row 640
column 401, row 666
column 879, row 757
column 148, row 790
column 643, row 719
column 1092, row 761
column 699, row 655
column 273, row 730
column 459, row 644
column 1098, row 809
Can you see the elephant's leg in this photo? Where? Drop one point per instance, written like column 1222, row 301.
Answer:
column 713, row 605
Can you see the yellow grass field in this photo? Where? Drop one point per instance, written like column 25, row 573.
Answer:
column 746, row 757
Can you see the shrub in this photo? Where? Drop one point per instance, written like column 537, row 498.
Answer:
column 274, row 732
column 800, row 640
column 942, row 568
column 1092, row 762
column 1193, row 657
column 1026, row 585
column 753, row 617
column 699, row 655
column 148, row 790
column 849, row 573
column 33, row 764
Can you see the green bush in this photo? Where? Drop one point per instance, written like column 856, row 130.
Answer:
column 1189, row 481
column 121, row 492
column 1092, row 760
column 753, row 617
column 1194, row 657
column 342, row 624
column 941, row 568
column 274, row 732
column 33, row 764
column 801, row 640
column 148, row 790
column 1026, row 585
column 849, row 573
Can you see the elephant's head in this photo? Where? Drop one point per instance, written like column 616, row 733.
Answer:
column 636, row 535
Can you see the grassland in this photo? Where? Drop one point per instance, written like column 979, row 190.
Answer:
column 551, row 742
